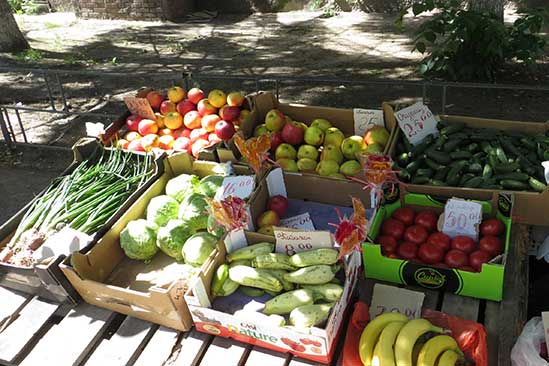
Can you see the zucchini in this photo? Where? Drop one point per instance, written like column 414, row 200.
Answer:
column 438, row 156
column 514, row 185
column 456, row 155
column 473, row 182
column 536, row 185
column 453, row 128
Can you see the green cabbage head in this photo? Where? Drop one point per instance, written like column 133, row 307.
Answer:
column 162, row 209
column 214, row 228
column 170, row 238
column 182, row 185
column 210, row 184
column 193, row 211
column 198, row 248
column 138, row 240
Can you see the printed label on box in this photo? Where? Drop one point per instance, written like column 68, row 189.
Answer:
column 302, row 222
column 240, row 186
column 462, row 217
column 291, row 241
column 140, row 107
column 417, row 122
column 366, row 119
column 390, row 299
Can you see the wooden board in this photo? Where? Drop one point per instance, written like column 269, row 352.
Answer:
column 228, row 351
column 192, row 348
column 159, row 348
column 461, row 306
column 265, row 357
column 12, row 302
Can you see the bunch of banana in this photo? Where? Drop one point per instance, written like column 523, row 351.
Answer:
column 389, row 340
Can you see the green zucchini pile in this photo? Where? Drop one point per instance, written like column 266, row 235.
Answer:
column 475, row 158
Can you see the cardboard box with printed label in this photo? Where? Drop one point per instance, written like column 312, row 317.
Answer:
column 155, row 291
column 487, row 284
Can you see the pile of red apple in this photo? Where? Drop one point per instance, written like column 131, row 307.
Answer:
column 414, row 236
column 277, row 209
column 185, row 124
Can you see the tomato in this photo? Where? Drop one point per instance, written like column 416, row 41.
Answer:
column 388, row 244
column 477, row 258
column 491, row 244
column 466, row 268
column 393, row 256
column 440, row 240
column 427, row 219
column 407, row 250
column 393, row 228
column 416, row 234
column 405, row 215
column 441, row 265
column 492, row 227
column 456, row 259
column 463, row 243
column 430, row 254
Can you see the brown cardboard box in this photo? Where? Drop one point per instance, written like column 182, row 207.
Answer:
column 105, row 277
column 529, row 207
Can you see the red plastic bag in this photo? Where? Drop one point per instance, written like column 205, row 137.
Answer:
column 357, row 323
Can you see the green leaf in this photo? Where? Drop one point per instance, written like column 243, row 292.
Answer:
column 430, row 36
column 421, row 47
column 418, row 8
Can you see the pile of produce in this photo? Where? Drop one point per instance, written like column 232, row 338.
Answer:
column 392, row 339
column 277, row 208
column 176, row 223
column 303, row 285
column 475, row 158
column 83, row 200
column 414, row 236
column 319, row 147
column 189, row 124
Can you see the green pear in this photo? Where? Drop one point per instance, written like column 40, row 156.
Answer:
column 288, row 165
column 333, row 136
column 352, row 146
column 260, row 130
column 337, row 175
column 377, row 134
column 332, row 152
column 321, row 123
column 314, row 136
column 285, row 151
column 374, row 148
column 306, row 164
column 350, row 168
column 307, row 152
column 327, row 167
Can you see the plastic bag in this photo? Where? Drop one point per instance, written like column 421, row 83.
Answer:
column 526, row 351
column 357, row 323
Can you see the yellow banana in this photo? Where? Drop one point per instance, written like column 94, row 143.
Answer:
column 434, row 347
column 449, row 358
column 408, row 336
column 371, row 333
column 384, row 355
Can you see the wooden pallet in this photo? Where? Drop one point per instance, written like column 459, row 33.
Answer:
column 37, row 332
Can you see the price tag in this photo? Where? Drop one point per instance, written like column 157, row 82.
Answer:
column 302, row 222
column 366, row 119
column 390, row 299
column 240, row 186
column 95, row 129
column 462, row 217
column 545, row 319
column 417, row 122
column 140, row 107
column 236, row 239
column 292, row 241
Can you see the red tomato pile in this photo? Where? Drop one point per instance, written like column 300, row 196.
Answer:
column 414, row 236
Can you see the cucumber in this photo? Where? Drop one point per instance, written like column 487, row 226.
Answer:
column 414, row 165
column 441, row 174
column 512, row 176
column 540, row 152
column 433, row 164
column 404, row 175
column 532, row 157
column 473, row 182
column 421, row 147
column 487, row 171
column 545, row 155
column 528, row 143
column 437, row 183
column 492, row 186
column 407, row 145
column 500, row 154
column 461, row 136
column 508, row 146
column 451, row 145
column 473, row 147
column 440, row 142
column 479, row 156
column 486, row 147
column 506, row 168
column 514, row 185
column 403, row 159
column 464, row 178
column 525, row 165
column 536, row 185
column 474, row 168
column 420, row 179
column 438, row 156
column 456, row 155
column 492, row 160
column 425, row 171
column 453, row 128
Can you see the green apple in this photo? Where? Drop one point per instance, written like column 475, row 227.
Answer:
column 332, row 152
column 327, row 167
column 377, row 134
column 374, row 149
column 274, row 120
column 285, row 151
column 306, row 164
column 288, row 165
column 307, row 151
column 337, row 175
column 352, row 146
column 333, row 136
column 261, row 130
column 321, row 123
column 314, row 136
column 350, row 168
column 302, row 125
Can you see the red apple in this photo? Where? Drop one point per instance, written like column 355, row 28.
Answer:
column 185, row 106
column 204, row 107
column 292, row 134
column 167, row 107
column 132, row 122
column 199, row 133
column 199, row 145
column 182, row 144
column 135, row 145
column 155, row 99
column 209, row 122
column 278, row 204
column 224, row 130
column 181, row 132
column 229, row 113
column 195, row 95
column 276, row 140
column 213, row 138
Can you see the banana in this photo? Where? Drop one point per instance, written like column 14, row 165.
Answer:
column 434, row 347
column 384, row 355
column 448, row 358
column 408, row 336
column 369, row 335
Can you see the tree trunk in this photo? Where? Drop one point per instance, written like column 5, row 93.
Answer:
column 489, row 6
column 11, row 38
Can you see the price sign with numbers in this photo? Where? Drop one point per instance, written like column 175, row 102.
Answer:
column 302, row 222
column 240, row 186
column 462, row 217
column 140, row 107
column 391, row 299
column 366, row 119
column 292, row 241
column 417, row 122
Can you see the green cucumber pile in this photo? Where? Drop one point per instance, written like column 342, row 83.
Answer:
column 475, row 158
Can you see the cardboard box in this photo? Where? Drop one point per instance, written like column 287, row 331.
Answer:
column 318, row 344
column 263, row 102
column 529, row 207
column 487, row 284
column 105, row 277
column 45, row 279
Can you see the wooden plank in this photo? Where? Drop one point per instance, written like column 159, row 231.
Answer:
column 68, row 342
column 122, row 346
column 229, row 351
column 492, row 324
column 12, row 302
column 159, row 348
column 461, row 306
column 266, row 357
column 191, row 349
column 21, row 331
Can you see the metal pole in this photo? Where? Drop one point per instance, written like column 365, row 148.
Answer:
column 52, row 101
column 277, row 89
column 21, row 126
column 65, row 106
column 10, row 126
column 5, row 132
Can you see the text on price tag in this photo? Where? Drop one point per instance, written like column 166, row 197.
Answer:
column 240, row 186
column 417, row 122
column 140, row 107
column 391, row 299
column 462, row 217
column 366, row 119
column 302, row 222
column 292, row 241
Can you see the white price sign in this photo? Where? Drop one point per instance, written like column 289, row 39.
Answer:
column 291, row 241
column 366, row 119
column 417, row 122
column 302, row 222
column 462, row 217
column 391, row 299
column 240, row 186
column 140, row 107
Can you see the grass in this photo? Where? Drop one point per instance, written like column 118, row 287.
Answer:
column 29, row 55
column 49, row 25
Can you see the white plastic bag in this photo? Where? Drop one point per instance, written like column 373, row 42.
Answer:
column 526, row 351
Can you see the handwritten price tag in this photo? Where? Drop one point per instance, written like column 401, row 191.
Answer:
column 240, row 186
column 417, row 122
column 302, row 222
column 366, row 119
column 140, row 107
column 292, row 241
column 462, row 217
column 390, row 299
